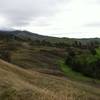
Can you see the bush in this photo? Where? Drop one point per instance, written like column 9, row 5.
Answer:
column 86, row 62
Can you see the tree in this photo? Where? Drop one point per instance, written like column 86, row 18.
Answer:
column 87, row 63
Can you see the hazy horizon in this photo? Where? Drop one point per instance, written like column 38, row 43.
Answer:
column 59, row 18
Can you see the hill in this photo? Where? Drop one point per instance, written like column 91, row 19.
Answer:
column 20, row 84
column 26, row 35
column 33, row 69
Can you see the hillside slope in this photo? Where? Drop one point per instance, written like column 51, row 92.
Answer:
column 20, row 84
column 26, row 35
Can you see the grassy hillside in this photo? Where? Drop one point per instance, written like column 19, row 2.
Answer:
column 37, row 72
column 19, row 84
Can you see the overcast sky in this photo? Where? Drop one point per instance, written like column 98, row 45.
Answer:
column 63, row 18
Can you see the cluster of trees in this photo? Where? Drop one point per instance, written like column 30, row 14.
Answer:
column 87, row 45
column 85, row 61
column 47, row 43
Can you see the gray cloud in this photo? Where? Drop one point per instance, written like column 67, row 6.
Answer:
column 21, row 12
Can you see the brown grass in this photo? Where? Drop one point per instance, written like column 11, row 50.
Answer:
column 21, row 84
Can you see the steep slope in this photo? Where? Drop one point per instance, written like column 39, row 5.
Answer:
column 20, row 84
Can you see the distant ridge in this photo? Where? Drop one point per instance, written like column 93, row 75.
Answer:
column 26, row 35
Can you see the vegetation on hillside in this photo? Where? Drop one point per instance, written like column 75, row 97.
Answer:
column 46, row 67
column 85, row 61
column 19, row 84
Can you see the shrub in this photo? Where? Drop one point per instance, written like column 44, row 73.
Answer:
column 88, row 63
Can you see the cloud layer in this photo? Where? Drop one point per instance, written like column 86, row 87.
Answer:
column 70, row 18
column 21, row 12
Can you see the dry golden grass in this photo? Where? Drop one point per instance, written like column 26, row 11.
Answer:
column 20, row 84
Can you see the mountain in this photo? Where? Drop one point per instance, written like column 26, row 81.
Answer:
column 26, row 35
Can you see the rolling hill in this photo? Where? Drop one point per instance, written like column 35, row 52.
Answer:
column 32, row 72
column 26, row 35
column 20, row 84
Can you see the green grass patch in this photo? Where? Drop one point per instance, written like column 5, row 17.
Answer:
column 75, row 75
